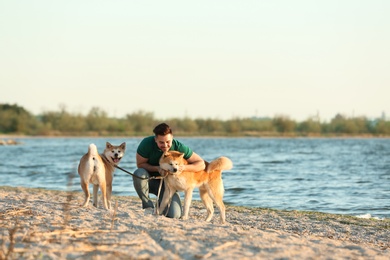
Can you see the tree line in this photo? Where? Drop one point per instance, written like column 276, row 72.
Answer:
column 15, row 119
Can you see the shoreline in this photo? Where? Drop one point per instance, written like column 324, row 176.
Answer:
column 362, row 136
column 365, row 215
column 51, row 224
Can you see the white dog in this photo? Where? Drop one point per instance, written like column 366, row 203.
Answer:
column 99, row 170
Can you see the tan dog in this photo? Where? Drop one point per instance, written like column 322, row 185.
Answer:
column 99, row 170
column 209, row 182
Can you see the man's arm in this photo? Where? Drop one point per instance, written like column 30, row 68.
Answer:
column 195, row 163
column 143, row 163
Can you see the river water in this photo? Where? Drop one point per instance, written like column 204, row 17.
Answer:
column 344, row 176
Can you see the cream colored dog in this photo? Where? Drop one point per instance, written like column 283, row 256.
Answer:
column 99, row 170
column 209, row 182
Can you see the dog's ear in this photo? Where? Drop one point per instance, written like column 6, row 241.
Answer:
column 123, row 145
column 181, row 155
column 108, row 145
column 166, row 154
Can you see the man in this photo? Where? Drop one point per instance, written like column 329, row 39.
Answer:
column 148, row 155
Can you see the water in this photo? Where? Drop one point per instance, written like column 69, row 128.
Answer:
column 343, row 176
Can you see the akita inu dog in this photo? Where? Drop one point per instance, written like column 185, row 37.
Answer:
column 209, row 182
column 99, row 170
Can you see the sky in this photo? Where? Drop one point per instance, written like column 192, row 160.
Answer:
column 218, row 59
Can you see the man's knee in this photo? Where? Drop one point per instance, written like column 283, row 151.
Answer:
column 140, row 180
column 141, row 172
column 140, row 175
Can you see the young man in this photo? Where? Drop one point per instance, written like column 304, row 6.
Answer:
column 148, row 155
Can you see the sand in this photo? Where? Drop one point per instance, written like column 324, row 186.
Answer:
column 37, row 223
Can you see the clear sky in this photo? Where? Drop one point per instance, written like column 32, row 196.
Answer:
column 211, row 59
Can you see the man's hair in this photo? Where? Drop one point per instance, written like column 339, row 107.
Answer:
column 162, row 129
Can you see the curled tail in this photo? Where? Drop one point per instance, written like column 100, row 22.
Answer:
column 92, row 150
column 219, row 164
column 89, row 161
column 93, row 153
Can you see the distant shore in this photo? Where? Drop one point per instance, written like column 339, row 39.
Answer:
column 37, row 223
column 12, row 137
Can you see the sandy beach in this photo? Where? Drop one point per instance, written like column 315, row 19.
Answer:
column 37, row 223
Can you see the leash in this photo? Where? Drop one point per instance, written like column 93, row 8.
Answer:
column 150, row 178
column 132, row 174
column 142, row 178
column 158, row 197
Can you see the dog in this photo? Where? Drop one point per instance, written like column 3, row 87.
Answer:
column 98, row 169
column 209, row 182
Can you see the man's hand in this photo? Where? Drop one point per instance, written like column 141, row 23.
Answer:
column 162, row 172
column 181, row 168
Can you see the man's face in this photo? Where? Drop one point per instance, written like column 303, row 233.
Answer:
column 164, row 142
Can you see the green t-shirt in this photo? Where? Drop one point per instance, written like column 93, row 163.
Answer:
column 149, row 149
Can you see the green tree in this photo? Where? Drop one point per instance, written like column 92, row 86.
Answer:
column 233, row 126
column 15, row 119
column 382, row 127
column 97, row 120
column 140, row 122
column 209, row 126
column 309, row 126
column 64, row 122
column 284, row 124
column 185, row 125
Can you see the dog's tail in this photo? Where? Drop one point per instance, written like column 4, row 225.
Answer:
column 219, row 164
column 88, row 162
column 92, row 150
column 93, row 154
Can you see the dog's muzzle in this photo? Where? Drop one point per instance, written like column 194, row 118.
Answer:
column 116, row 159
